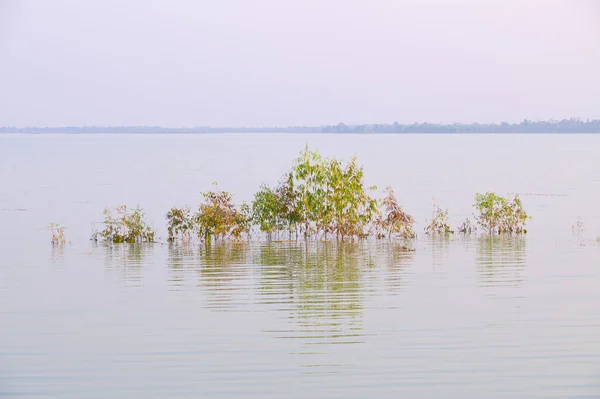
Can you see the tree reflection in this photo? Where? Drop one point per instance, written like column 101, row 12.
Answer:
column 327, row 290
column 58, row 253
column 501, row 260
column 394, row 257
column 439, row 246
column 325, row 284
column 182, row 261
column 127, row 259
column 223, row 271
column 319, row 287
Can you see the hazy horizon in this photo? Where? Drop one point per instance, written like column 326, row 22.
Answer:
column 474, row 123
column 271, row 63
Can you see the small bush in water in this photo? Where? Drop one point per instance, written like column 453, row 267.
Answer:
column 219, row 218
column 439, row 224
column 124, row 225
column 180, row 224
column 349, row 208
column 268, row 210
column 394, row 220
column 58, row 233
column 467, row 227
column 500, row 215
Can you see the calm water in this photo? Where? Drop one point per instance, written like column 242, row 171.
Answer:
column 464, row 318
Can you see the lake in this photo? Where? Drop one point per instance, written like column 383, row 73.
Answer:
column 465, row 317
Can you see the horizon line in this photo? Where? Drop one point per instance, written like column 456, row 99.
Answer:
column 305, row 126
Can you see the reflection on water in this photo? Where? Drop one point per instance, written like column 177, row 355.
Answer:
column 395, row 258
column 181, row 261
column 501, row 260
column 57, row 254
column 127, row 260
column 438, row 247
column 323, row 283
column 224, row 274
column 344, row 319
column 220, row 268
column 319, row 287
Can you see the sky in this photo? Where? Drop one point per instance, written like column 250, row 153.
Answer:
column 296, row 62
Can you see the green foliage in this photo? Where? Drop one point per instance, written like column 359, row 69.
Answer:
column 348, row 208
column 276, row 210
column 317, row 197
column 500, row 215
column 123, row 225
column 180, row 224
column 268, row 210
column 309, row 180
column 217, row 217
column 58, row 233
column 288, row 195
column 242, row 222
column 279, row 209
column 439, row 224
column 394, row 221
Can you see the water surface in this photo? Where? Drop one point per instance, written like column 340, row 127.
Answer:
column 464, row 317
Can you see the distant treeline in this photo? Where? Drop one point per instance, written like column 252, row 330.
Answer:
column 572, row 125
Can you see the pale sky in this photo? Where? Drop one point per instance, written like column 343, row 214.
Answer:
column 296, row 62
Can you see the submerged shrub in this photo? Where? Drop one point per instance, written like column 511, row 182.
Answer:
column 467, row 227
column 58, row 233
column 500, row 215
column 331, row 196
column 317, row 197
column 394, row 219
column 124, row 225
column 219, row 218
column 268, row 210
column 327, row 196
column 308, row 179
column 348, row 208
column 243, row 222
column 288, row 195
column 180, row 224
column 439, row 224
column 279, row 209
